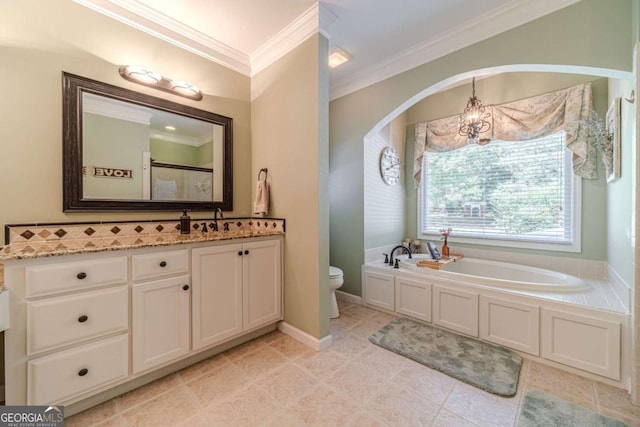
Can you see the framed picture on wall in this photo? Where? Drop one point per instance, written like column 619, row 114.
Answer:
column 612, row 157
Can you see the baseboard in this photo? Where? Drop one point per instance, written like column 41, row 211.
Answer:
column 306, row 339
column 353, row 299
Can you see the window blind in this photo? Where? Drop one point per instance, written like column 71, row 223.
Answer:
column 505, row 190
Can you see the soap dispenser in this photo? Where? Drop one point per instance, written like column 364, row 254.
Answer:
column 185, row 223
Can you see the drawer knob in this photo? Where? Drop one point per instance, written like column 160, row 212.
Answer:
column 163, row 263
column 83, row 318
column 185, row 287
column 82, row 372
column 240, row 253
column 82, row 275
column 246, row 252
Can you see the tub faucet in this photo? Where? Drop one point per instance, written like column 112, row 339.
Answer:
column 393, row 250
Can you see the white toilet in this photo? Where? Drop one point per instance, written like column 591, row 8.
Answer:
column 336, row 280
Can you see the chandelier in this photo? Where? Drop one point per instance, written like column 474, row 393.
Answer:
column 473, row 120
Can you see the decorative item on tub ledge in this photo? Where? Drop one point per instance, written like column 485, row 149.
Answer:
column 147, row 77
column 445, row 232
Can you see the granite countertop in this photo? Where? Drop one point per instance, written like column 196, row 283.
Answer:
column 16, row 251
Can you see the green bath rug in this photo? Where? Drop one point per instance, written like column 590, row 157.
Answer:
column 544, row 410
column 489, row 367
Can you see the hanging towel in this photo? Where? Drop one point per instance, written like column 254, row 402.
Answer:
column 261, row 203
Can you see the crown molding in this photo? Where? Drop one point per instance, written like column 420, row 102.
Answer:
column 318, row 18
column 510, row 15
column 144, row 18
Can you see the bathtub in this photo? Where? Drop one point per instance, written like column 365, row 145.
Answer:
column 498, row 274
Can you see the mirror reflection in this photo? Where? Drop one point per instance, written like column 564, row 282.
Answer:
column 124, row 150
column 136, row 152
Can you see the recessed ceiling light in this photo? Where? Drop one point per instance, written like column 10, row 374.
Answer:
column 168, row 127
column 338, row 57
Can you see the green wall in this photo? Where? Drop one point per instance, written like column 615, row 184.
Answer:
column 181, row 154
column 592, row 33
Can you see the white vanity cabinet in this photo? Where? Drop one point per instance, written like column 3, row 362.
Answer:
column 65, row 317
column 236, row 288
column 84, row 325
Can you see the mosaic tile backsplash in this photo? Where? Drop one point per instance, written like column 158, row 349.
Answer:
column 37, row 240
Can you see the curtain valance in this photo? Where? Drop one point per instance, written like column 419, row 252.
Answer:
column 522, row 120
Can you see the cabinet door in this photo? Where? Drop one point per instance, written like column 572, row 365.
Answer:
column 511, row 324
column 413, row 298
column 379, row 290
column 455, row 309
column 262, row 283
column 217, row 294
column 582, row 342
column 160, row 322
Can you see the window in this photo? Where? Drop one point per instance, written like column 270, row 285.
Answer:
column 510, row 193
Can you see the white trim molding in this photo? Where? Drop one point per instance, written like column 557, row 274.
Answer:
column 318, row 18
column 147, row 19
column 353, row 299
column 315, row 19
column 306, row 339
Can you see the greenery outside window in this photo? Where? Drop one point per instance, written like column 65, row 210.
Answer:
column 506, row 193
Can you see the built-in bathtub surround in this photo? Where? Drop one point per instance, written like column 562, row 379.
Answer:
column 38, row 240
column 583, row 268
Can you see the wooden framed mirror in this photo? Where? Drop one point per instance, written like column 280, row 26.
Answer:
column 127, row 151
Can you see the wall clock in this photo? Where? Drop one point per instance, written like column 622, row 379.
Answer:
column 390, row 166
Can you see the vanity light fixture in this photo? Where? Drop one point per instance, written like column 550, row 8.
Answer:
column 139, row 74
column 473, row 120
column 146, row 77
column 185, row 88
column 338, row 57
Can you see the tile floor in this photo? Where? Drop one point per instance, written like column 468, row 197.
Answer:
column 276, row 381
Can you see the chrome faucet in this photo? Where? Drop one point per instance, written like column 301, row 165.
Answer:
column 391, row 256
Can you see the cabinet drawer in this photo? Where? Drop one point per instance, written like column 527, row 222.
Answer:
column 54, row 322
column 65, row 276
column 60, row 376
column 159, row 264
